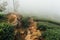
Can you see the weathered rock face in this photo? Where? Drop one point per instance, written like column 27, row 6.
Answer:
column 13, row 18
column 33, row 33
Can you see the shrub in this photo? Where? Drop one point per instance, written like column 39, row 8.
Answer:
column 42, row 27
column 25, row 22
column 6, row 31
column 52, row 34
column 1, row 16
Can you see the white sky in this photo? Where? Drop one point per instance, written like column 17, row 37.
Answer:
column 49, row 9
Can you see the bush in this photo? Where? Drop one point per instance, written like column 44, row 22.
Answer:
column 42, row 27
column 25, row 22
column 6, row 31
column 52, row 34
column 52, row 31
column 1, row 16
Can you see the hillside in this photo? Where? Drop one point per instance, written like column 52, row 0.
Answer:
column 52, row 31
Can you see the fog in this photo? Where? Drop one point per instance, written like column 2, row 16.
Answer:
column 48, row 9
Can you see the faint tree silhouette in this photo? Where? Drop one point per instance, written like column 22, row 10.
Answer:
column 3, row 6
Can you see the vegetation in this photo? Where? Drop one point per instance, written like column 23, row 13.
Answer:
column 6, row 31
column 25, row 22
column 2, row 18
column 50, row 31
column 52, row 34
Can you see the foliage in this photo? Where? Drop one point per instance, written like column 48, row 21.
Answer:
column 52, row 34
column 42, row 27
column 25, row 22
column 3, row 18
column 6, row 31
column 52, row 31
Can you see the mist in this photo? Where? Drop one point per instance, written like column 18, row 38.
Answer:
column 47, row 9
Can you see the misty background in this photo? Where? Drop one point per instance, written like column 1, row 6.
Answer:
column 44, row 9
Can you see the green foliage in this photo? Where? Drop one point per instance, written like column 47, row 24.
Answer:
column 6, row 31
column 52, row 34
column 2, row 17
column 52, row 31
column 42, row 27
column 25, row 22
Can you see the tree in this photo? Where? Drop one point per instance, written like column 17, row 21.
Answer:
column 3, row 6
